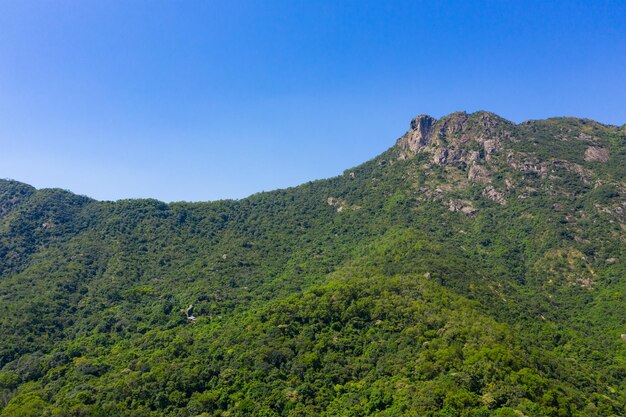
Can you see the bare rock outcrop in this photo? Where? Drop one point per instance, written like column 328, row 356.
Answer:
column 453, row 124
column 418, row 135
column 464, row 206
column 596, row 154
column 494, row 195
column 519, row 162
column 339, row 204
column 489, row 120
column 456, row 139
column 441, row 156
column 490, row 146
column 478, row 173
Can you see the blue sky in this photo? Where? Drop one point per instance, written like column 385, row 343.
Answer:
column 203, row 100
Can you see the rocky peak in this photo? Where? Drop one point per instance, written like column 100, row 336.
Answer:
column 422, row 123
column 453, row 124
column 490, row 120
column 508, row 161
column 418, row 135
column 456, row 138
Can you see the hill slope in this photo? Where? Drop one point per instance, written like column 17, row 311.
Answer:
column 476, row 268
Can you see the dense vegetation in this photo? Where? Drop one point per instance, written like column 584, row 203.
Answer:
column 476, row 268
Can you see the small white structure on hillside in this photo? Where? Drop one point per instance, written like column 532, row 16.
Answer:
column 189, row 312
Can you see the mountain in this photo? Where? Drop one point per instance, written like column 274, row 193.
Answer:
column 475, row 268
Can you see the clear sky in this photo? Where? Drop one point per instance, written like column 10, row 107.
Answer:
column 203, row 100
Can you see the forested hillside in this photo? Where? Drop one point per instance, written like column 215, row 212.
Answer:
column 476, row 268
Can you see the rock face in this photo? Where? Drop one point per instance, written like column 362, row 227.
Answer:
column 596, row 154
column 520, row 163
column 418, row 135
column 464, row 206
column 478, row 173
column 492, row 194
column 461, row 157
column 455, row 139
column 468, row 142
column 441, row 156
column 338, row 204
column 490, row 146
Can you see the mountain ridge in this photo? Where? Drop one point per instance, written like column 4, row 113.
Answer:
column 475, row 268
column 487, row 117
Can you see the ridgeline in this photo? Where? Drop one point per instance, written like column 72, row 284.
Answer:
column 476, row 268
